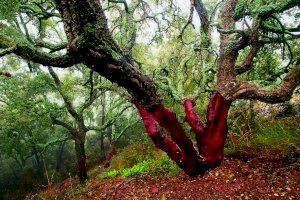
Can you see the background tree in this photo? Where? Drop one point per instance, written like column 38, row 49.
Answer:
column 76, row 121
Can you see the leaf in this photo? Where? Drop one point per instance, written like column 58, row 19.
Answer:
column 163, row 197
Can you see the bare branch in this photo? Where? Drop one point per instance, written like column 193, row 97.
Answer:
column 109, row 122
column 189, row 20
column 94, row 95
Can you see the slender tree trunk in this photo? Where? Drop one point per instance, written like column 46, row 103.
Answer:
column 102, row 141
column 110, row 153
column 103, row 118
column 38, row 162
column 81, row 158
column 59, row 157
column 109, row 134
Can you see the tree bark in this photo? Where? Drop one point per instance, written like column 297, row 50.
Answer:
column 81, row 158
column 210, row 138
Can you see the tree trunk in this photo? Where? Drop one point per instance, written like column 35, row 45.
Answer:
column 59, row 157
column 210, row 138
column 103, row 119
column 110, row 154
column 81, row 159
column 38, row 162
column 102, row 141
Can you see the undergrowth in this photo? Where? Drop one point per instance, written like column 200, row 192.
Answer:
column 140, row 159
column 279, row 136
column 162, row 166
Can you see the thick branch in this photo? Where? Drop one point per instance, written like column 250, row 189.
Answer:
column 71, row 130
column 50, row 46
column 205, row 23
column 30, row 53
column 280, row 94
column 191, row 116
column 164, row 143
column 202, row 12
column 167, row 119
column 267, row 10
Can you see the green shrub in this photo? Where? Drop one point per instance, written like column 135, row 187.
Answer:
column 132, row 155
column 137, row 169
column 161, row 166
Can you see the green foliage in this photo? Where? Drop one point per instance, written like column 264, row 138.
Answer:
column 258, row 6
column 132, row 155
column 8, row 8
column 136, row 169
column 267, row 68
column 161, row 166
column 280, row 136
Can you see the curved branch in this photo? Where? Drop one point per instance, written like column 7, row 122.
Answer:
column 71, row 130
column 267, row 10
column 121, row 1
column 191, row 116
column 164, row 143
column 280, row 94
column 205, row 23
column 248, row 61
column 30, row 53
column 67, row 101
column 52, row 47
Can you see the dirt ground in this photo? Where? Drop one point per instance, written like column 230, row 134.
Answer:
column 254, row 178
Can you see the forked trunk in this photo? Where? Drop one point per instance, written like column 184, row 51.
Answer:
column 81, row 159
column 210, row 138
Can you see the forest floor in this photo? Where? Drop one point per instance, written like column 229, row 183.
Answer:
column 236, row 178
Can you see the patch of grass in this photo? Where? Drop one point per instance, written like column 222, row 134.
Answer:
column 280, row 136
column 161, row 166
column 132, row 155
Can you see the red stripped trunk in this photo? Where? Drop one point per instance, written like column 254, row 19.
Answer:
column 176, row 151
column 210, row 138
column 81, row 160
